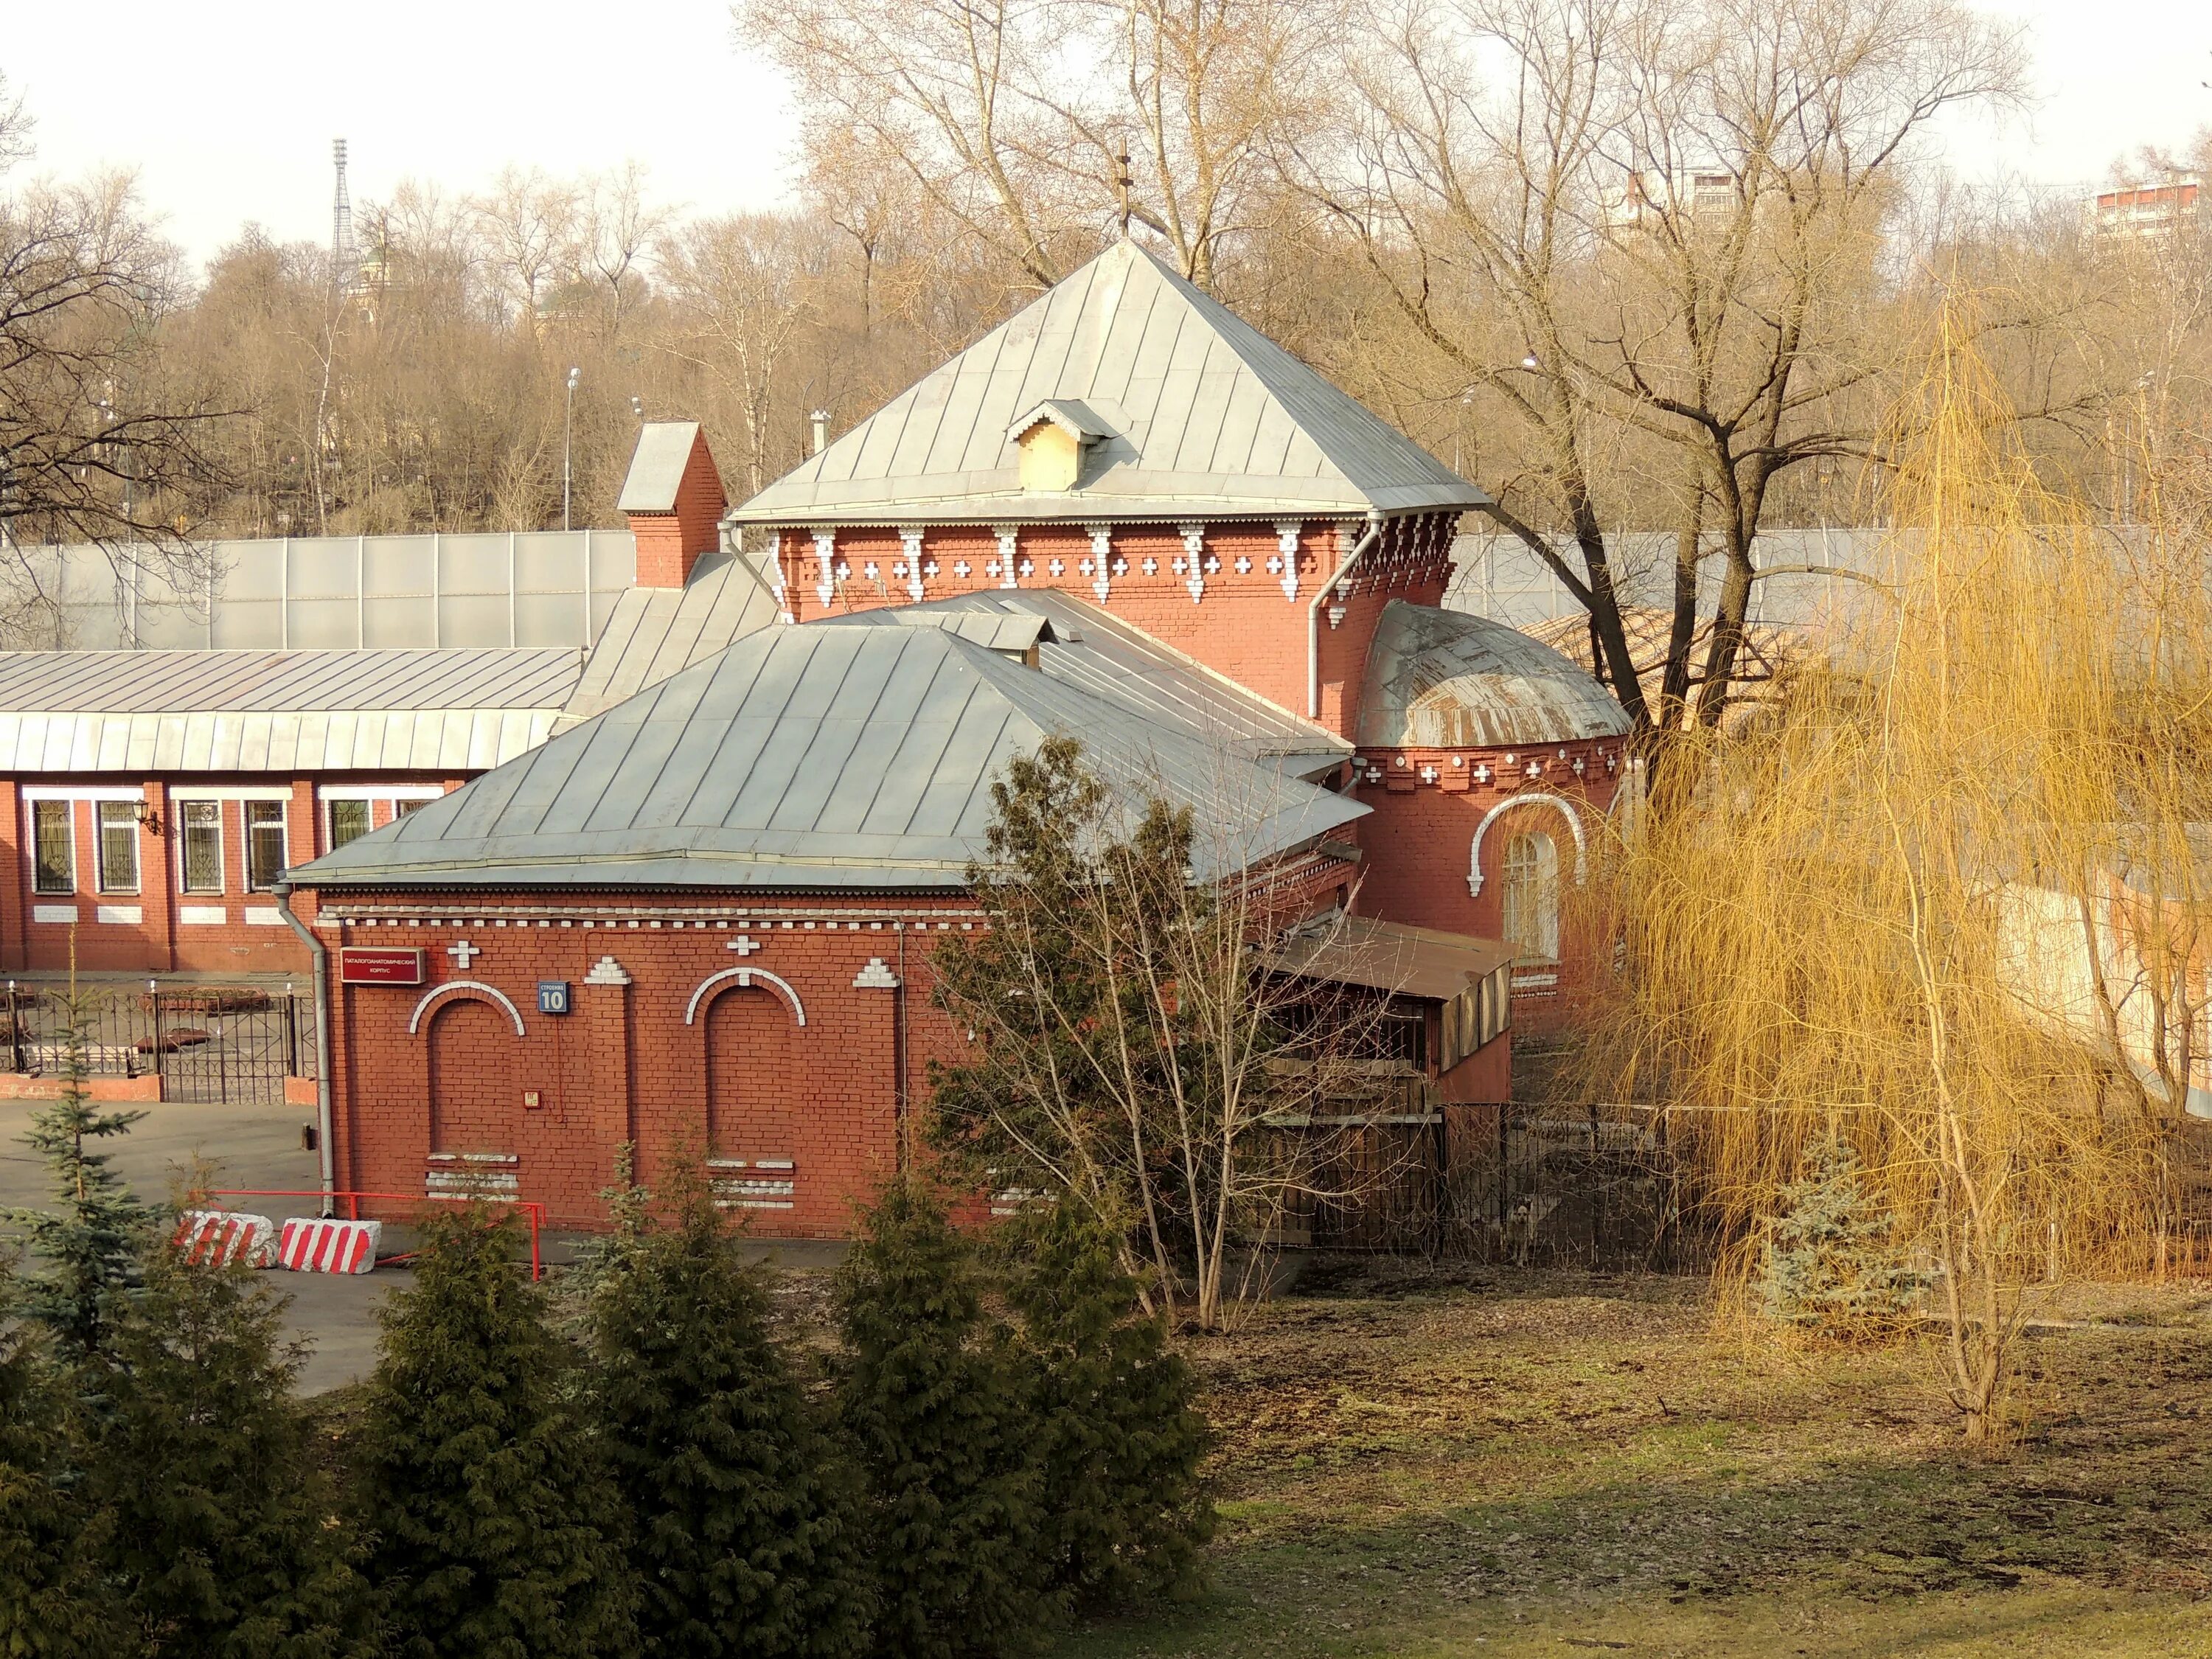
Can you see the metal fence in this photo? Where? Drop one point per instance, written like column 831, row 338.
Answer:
column 207, row 1042
column 1502, row 1183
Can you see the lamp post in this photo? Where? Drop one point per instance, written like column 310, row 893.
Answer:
column 568, row 421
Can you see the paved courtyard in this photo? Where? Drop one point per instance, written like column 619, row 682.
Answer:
column 249, row 1146
column 258, row 1147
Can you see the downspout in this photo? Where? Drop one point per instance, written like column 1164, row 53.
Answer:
column 1320, row 599
column 321, row 954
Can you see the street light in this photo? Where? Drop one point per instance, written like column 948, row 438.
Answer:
column 568, row 421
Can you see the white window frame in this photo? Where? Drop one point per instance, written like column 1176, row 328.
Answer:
column 99, row 873
column 222, row 830
column 68, row 804
column 379, row 791
column 390, row 793
column 330, row 823
column 246, row 831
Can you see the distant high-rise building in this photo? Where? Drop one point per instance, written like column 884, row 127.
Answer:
column 2147, row 212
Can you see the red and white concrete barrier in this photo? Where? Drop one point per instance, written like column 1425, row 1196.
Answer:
column 330, row 1246
column 225, row 1235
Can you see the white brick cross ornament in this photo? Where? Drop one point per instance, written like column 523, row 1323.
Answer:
column 464, row 952
column 745, row 944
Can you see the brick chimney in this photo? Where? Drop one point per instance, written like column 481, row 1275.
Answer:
column 674, row 501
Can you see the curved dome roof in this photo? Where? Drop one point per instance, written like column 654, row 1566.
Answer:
column 1443, row 679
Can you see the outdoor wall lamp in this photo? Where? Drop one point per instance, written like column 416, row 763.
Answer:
column 148, row 819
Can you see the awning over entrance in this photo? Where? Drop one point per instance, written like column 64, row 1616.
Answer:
column 1469, row 978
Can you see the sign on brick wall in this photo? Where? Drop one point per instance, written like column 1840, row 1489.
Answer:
column 379, row 965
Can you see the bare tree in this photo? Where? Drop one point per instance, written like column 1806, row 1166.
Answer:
column 744, row 289
column 621, row 225
column 1659, row 219
column 101, row 440
column 945, row 89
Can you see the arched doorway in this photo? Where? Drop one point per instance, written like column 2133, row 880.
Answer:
column 476, row 1106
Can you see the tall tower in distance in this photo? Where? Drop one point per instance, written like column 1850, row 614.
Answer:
column 345, row 256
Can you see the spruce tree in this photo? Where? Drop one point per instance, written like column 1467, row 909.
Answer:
column 54, row 1602
column 932, row 1404
column 91, row 1242
column 1118, row 1437
column 224, row 1539
column 1833, row 1269
column 746, row 1530
column 497, row 1533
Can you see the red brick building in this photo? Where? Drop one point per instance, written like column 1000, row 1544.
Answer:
column 701, row 919
column 154, row 788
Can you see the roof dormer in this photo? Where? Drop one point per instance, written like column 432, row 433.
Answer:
column 1053, row 437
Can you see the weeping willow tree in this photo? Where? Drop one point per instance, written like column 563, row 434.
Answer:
column 1856, row 915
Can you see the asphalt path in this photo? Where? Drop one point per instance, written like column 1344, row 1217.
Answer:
column 258, row 1147
column 246, row 1146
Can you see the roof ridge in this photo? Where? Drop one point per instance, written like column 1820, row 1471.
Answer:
column 1207, row 418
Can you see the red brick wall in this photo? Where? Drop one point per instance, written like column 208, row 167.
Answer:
column 160, row 941
column 627, row 1065
column 670, row 543
column 1242, row 624
column 1419, row 840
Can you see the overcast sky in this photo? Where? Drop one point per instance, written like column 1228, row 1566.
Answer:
column 227, row 108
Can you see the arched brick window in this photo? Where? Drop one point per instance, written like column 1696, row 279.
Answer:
column 752, row 1058
column 476, row 1105
column 1529, row 880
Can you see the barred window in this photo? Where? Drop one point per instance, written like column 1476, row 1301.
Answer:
column 266, row 851
column 119, row 846
column 349, row 822
column 202, row 823
column 54, row 834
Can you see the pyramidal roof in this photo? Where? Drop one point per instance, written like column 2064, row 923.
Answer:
column 856, row 756
column 1203, row 416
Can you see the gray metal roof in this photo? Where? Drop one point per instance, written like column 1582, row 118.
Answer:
column 1442, row 680
column 519, row 590
column 145, row 712
column 656, row 466
column 655, row 632
column 1015, row 635
column 1205, row 417
column 817, row 756
column 146, row 682
column 1106, row 658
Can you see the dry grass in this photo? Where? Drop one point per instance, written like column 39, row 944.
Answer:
column 1418, row 1462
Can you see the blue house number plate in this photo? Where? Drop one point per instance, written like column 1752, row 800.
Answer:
column 552, row 996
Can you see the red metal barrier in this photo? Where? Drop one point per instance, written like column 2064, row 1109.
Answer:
column 350, row 1206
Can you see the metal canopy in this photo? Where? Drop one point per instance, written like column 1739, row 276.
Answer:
column 144, row 712
column 1389, row 955
column 859, row 755
column 1197, row 415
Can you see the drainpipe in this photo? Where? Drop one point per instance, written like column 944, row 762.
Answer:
column 321, row 955
column 1313, row 613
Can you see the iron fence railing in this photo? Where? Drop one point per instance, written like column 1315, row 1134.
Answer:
column 209, row 1042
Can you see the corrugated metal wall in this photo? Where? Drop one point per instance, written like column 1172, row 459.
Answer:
column 549, row 587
